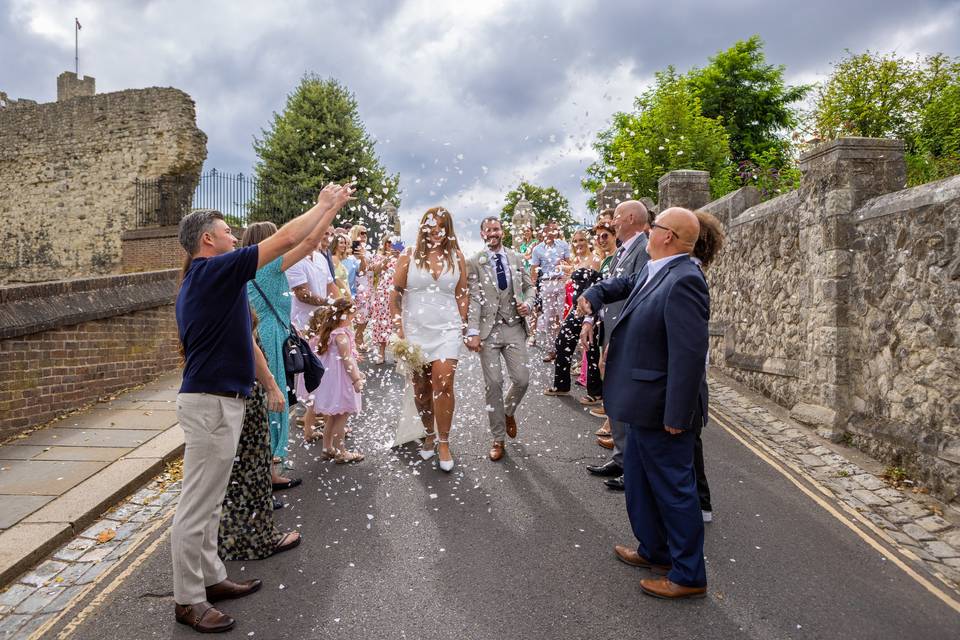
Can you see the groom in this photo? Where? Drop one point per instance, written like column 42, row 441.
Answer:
column 499, row 285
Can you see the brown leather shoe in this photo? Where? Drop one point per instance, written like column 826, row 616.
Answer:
column 663, row 588
column 203, row 617
column 496, row 451
column 230, row 590
column 630, row 556
column 511, row 426
column 605, row 442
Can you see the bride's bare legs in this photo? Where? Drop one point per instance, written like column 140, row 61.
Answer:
column 423, row 399
column 443, row 402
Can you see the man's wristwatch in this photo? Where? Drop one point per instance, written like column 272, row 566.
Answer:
column 588, row 319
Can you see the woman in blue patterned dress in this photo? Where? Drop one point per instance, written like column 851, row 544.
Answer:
column 273, row 330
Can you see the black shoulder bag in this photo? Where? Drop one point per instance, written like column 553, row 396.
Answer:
column 298, row 357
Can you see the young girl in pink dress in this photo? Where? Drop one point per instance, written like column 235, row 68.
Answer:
column 338, row 396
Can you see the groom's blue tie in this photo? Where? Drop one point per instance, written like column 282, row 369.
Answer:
column 501, row 274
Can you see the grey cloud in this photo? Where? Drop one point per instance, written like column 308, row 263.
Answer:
column 496, row 102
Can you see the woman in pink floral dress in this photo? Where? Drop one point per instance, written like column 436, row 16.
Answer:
column 381, row 324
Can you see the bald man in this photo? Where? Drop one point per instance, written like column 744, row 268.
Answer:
column 653, row 384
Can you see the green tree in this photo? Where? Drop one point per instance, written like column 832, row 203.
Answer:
column 547, row 202
column 888, row 96
column 750, row 98
column 938, row 143
column 317, row 139
column 666, row 131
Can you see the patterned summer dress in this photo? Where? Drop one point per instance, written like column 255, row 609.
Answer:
column 381, row 325
column 247, row 528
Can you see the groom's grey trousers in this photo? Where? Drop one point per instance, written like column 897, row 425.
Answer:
column 511, row 343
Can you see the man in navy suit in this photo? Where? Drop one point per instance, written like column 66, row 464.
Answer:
column 655, row 369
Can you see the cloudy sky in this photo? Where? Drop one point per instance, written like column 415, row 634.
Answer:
column 464, row 98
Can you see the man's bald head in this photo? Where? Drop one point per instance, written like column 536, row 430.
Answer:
column 675, row 231
column 629, row 218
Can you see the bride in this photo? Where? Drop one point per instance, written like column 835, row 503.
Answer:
column 429, row 305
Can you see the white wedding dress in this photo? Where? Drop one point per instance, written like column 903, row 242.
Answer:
column 431, row 319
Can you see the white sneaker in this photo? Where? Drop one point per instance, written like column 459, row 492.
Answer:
column 707, row 516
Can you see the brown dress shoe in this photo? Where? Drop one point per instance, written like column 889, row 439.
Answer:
column 203, row 617
column 631, row 557
column 511, row 426
column 496, row 451
column 605, row 442
column 663, row 588
column 229, row 590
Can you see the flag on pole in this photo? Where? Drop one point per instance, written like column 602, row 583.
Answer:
column 78, row 24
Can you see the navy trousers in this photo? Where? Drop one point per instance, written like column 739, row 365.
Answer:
column 662, row 501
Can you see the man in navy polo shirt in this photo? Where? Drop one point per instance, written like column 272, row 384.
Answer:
column 213, row 317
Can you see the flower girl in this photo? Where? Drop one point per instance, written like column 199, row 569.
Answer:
column 338, row 396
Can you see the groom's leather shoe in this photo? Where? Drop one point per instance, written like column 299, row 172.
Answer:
column 230, row 590
column 496, row 451
column 203, row 617
column 511, row 426
column 609, row 469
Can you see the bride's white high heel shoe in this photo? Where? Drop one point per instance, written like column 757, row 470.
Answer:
column 426, row 454
column 445, row 465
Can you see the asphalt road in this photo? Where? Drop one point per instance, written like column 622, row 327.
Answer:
column 393, row 548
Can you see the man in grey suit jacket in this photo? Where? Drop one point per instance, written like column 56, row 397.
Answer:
column 500, row 289
column 631, row 222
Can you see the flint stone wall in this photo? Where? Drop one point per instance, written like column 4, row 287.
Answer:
column 905, row 360
column 67, row 172
column 759, row 285
column 841, row 301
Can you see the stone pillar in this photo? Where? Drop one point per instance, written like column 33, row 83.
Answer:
column 683, row 188
column 612, row 194
column 838, row 177
column 70, row 86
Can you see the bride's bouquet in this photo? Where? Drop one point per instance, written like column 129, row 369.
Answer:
column 408, row 357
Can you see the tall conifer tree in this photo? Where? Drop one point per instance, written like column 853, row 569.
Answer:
column 317, row 139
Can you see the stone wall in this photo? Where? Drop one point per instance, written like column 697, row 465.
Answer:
column 905, row 357
column 67, row 343
column 151, row 250
column 759, row 284
column 67, row 172
column 841, row 301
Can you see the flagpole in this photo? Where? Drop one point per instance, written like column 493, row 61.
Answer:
column 76, row 47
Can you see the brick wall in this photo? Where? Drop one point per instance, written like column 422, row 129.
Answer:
column 67, row 343
column 150, row 250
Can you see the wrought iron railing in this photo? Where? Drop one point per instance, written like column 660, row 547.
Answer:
column 242, row 199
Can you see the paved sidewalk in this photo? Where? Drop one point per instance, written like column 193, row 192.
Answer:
column 926, row 530
column 55, row 481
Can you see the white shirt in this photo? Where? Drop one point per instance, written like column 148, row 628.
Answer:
column 314, row 273
column 654, row 266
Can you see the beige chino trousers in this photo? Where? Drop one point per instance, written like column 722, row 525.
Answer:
column 211, row 430
column 511, row 343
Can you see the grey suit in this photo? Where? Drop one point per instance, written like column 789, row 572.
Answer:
column 632, row 261
column 493, row 316
column 629, row 263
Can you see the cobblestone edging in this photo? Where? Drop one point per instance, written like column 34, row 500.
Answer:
column 39, row 596
column 903, row 517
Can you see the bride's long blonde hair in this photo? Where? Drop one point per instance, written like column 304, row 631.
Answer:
column 448, row 244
